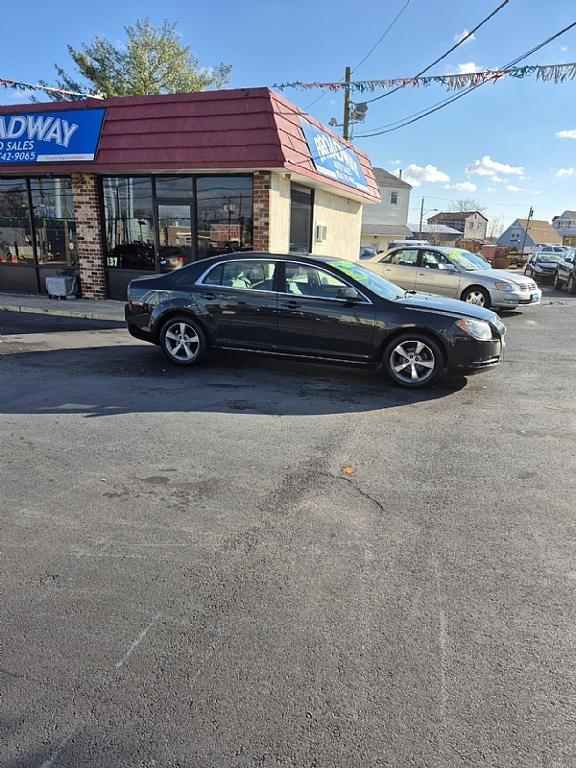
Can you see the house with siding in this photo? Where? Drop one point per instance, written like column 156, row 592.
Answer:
column 387, row 220
column 537, row 232
column 565, row 224
column 472, row 224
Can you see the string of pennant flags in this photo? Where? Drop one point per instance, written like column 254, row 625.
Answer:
column 20, row 86
column 549, row 73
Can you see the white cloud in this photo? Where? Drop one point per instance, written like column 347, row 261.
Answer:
column 416, row 174
column 468, row 68
column 564, row 48
column 571, row 134
column 512, row 188
column 570, row 171
column 462, row 186
column 462, row 35
column 491, row 190
column 491, row 168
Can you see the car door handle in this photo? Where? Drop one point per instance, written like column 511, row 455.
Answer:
column 291, row 304
column 209, row 296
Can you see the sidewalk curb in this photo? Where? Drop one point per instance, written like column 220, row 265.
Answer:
column 78, row 314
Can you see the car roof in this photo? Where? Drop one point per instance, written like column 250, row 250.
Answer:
column 252, row 255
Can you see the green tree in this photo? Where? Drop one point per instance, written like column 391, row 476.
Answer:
column 152, row 61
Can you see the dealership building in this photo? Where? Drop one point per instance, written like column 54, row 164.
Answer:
column 116, row 189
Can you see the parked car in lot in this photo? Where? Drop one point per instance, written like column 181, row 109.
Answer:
column 367, row 252
column 458, row 274
column 325, row 309
column 565, row 273
column 542, row 266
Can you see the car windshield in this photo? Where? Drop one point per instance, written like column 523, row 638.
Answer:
column 465, row 260
column 548, row 257
column 369, row 279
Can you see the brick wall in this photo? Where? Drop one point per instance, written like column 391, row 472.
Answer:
column 262, row 211
column 88, row 232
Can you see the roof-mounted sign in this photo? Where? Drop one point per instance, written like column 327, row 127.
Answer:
column 333, row 158
column 50, row 137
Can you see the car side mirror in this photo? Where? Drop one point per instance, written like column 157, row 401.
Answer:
column 448, row 267
column 347, row 293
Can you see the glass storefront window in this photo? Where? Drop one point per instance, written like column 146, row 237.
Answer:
column 16, row 245
column 224, row 214
column 174, row 236
column 129, row 223
column 301, row 207
column 174, row 187
column 53, row 211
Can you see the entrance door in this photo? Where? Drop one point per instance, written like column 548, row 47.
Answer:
column 174, row 236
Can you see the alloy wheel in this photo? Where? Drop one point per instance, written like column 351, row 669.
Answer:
column 476, row 297
column 412, row 361
column 182, row 342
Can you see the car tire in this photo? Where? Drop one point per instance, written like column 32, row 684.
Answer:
column 183, row 341
column 557, row 282
column 477, row 295
column 413, row 360
column 571, row 284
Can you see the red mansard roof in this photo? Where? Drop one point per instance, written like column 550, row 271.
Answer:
column 251, row 128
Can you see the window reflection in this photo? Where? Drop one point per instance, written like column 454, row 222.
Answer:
column 15, row 228
column 54, row 221
column 129, row 225
column 224, row 211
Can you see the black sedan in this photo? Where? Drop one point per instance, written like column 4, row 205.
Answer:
column 299, row 306
column 542, row 266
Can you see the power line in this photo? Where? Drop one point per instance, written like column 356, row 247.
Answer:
column 449, row 51
column 371, row 51
column 383, row 35
column 440, row 105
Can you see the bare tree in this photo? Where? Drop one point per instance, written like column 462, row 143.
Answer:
column 466, row 204
column 495, row 228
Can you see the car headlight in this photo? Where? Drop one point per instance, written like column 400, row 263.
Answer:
column 507, row 287
column 537, row 268
column 479, row 329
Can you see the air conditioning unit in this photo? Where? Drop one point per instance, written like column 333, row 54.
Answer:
column 321, row 231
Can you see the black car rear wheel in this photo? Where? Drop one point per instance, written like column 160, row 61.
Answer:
column 571, row 284
column 183, row 341
column 413, row 360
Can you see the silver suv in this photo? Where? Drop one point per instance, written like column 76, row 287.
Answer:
column 456, row 273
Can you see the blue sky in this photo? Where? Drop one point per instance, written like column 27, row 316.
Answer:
column 500, row 142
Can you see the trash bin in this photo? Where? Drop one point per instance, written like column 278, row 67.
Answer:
column 61, row 287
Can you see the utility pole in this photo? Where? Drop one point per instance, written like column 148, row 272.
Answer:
column 421, row 217
column 346, row 121
column 530, row 214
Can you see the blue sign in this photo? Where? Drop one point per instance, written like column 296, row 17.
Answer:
column 333, row 158
column 50, row 137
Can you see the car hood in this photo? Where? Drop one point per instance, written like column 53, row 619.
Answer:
column 500, row 274
column 448, row 306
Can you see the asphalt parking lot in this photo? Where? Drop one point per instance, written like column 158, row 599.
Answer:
column 261, row 563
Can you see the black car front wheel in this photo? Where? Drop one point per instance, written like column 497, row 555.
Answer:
column 183, row 341
column 571, row 284
column 557, row 282
column 413, row 360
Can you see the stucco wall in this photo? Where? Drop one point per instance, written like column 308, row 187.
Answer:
column 341, row 216
column 343, row 219
column 279, row 213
